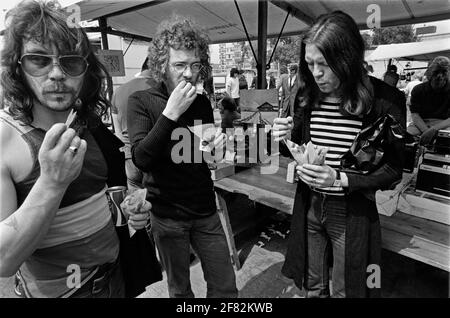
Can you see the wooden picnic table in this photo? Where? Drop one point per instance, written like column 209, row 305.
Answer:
column 423, row 240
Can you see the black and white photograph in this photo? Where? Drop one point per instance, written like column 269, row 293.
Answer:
column 225, row 156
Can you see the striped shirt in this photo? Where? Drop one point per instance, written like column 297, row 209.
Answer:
column 330, row 129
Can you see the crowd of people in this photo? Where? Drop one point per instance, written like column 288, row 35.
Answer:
column 55, row 216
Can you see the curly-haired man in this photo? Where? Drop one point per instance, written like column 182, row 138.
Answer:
column 184, row 210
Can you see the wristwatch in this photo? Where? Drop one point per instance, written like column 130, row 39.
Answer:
column 337, row 181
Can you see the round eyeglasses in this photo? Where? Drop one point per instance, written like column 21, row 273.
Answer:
column 182, row 67
column 42, row 64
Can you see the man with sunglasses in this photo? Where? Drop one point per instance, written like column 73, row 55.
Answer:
column 184, row 210
column 57, row 235
column 430, row 102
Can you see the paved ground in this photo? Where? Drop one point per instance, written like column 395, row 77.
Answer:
column 262, row 247
column 260, row 275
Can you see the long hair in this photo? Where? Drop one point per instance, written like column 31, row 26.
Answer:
column 177, row 33
column 337, row 37
column 47, row 23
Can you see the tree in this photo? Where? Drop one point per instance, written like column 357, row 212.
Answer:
column 244, row 51
column 368, row 39
column 287, row 50
column 396, row 34
column 247, row 54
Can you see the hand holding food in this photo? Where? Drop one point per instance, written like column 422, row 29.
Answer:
column 281, row 127
column 307, row 154
column 137, row 209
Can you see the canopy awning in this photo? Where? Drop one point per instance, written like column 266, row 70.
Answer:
column 414, row 51
column 221, row 17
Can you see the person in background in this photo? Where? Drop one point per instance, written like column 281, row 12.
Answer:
column 184, row 210
column 228, row 112
column 232, row 86
column 289, row 86
column 119, row 103
column 391, row 76
column 430, row 102
column 283, row 74
column 415, row 80
column 55, row 222
column 269, row 83
column 242, row 81
column 335, row 212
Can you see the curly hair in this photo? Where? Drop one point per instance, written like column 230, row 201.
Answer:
column 177, row 33
column 47, row 23
column 337, row 37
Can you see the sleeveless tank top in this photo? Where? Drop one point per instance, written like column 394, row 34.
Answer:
column 81, row 233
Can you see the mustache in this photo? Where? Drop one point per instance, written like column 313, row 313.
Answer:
column 57, row 88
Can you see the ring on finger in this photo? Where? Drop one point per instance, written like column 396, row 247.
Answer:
column 73, row 149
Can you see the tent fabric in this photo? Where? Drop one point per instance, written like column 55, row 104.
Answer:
column 417, row 51
column 223, row 24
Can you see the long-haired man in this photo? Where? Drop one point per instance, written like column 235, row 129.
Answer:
column 335, row 212
column 56, row 228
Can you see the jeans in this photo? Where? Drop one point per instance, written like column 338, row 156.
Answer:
column 326, row 229
column 134, row 175
column 173, row 239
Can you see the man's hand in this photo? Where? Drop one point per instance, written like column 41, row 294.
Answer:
column 317, row 176
column 281, row 127
column 61, row 156
column 427, row 136
column 137, row 209
column 179, row 101
column 138, row 219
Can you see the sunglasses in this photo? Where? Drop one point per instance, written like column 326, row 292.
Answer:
column 41, row 64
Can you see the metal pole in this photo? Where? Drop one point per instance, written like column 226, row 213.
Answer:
column 102, row 23
column 246, row 32
column 262, row 43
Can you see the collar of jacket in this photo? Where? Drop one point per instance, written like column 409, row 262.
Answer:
column 160, row 90
column 110, row 146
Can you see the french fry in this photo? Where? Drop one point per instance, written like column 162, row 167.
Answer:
column 308, row 153
column 134, row 201
column 71, row 118
column 296, row 151
column 320, row 159
column 310, row 150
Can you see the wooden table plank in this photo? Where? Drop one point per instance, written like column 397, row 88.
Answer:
column 269, row 198
column 416, row 248
column 411, row 225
